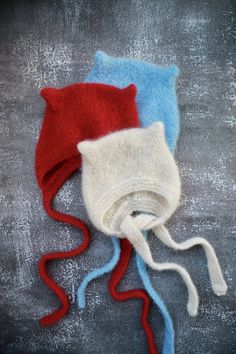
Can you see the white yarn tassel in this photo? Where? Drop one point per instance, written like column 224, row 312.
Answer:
column 135, row 236
column 218, row 283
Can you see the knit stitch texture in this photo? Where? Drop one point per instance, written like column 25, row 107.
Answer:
column 74, row 113
column 169, row 338
column 108, row 267
column 121, row 258
column 111, row 264
column 117, row 274
column 156, row 97
column 134, row 171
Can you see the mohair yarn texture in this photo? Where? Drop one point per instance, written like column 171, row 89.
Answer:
column 169, row 335
column 74, row 113
column 156, row 97
column 130, row 184
column 125, row 69
column 117, row 274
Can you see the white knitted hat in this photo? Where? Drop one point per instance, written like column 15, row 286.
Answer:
column 131, row 170
column 131, row 183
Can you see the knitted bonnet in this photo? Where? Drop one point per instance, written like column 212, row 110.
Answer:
column 156, row 95
column 137, row 182
column 74, row 113
column 131, row 183
column 156, row 100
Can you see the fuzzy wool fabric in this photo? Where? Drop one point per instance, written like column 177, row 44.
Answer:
column 169, row 337
column 133, row 171
column 121, row 258
column 168, row 347
column 117, row 274
column 96, row 273
column 74, row 113
column 156, row 98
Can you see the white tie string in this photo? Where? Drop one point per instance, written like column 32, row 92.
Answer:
column 132, row 227
column 135, row 236
column 217, row 281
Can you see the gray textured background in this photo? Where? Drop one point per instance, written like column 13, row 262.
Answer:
column 53, row 43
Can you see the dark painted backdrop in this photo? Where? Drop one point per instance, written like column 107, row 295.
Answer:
column 53, row 43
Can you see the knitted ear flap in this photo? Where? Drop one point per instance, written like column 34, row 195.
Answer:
column 157, row 129
column 88, row 150
column 101, row 58
column 172, row 72
column 51, row 96
column 130, row 90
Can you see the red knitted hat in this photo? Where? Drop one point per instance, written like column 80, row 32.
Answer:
column 75, row 113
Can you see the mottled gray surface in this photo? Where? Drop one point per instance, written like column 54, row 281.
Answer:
column 53, row 43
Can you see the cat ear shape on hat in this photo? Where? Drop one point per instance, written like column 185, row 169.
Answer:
column 172, row 73
column 101, row 58
column 52, row 97
column 157, row 128
column 88, row 150
column 156, row 134
column 130, row 91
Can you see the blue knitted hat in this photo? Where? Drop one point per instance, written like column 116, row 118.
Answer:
column 156, row 100
column 156, row 97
